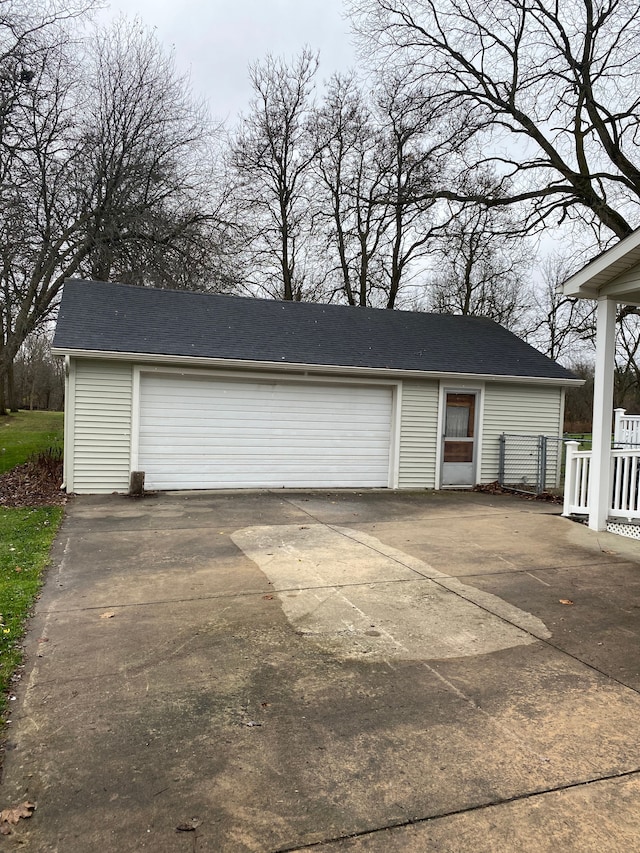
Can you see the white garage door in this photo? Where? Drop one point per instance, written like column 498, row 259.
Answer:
column 198, row 433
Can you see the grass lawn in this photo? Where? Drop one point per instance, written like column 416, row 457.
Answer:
column 26, row 433
column 584, row 439
column 26, row 535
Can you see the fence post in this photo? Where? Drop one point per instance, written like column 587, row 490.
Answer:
column 570, row 471
column 501, row 456
column 542, row 463
column 618, row 415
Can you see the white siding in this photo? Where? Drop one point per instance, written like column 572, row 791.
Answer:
column 517, row 409
column 418, row 435
column 102, row 427
column 101, row 400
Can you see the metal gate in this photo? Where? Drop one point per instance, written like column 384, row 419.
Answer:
column 530, row 463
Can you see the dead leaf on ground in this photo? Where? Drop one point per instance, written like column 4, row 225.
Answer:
column 566, row 601
column 108, row 615
column 10, row 817
column 32, row 484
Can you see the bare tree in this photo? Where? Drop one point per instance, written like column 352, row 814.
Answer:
column 272, row 154
column 101, row 173
column 352, row 199
column 562, row 328
column 550, row 89
column 39, row 376
column 34, row 112
column 417, row 144
column 578, row 407
column 482, row 269
column 381, row 149
column 142, row 171
column 627, row 377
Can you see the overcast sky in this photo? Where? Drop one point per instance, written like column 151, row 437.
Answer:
column 215, row 40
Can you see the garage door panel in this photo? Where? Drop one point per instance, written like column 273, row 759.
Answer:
column 247, row 438
column 321, row 454
column 197, row 433
column 259, row 461
column 244, row 470
column 224, row 424
column 223, row 411
column 206, row 392
column 247, row 480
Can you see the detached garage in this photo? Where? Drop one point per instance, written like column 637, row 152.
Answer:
column 204, row 391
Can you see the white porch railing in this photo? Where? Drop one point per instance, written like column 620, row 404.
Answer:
column 625, row 485
column 626, row 429
column 576, row 480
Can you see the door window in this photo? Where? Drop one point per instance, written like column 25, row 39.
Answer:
column 459, row 424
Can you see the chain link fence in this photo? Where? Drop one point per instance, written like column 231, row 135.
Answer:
column 531, row 463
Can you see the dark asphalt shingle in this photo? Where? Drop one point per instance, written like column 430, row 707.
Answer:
column 109, row 317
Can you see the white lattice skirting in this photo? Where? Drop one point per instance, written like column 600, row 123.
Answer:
column 624, row 528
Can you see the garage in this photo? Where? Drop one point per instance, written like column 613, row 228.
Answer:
column 209, row 391
column 198, row 432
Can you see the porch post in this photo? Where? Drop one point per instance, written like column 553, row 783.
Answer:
column 600, row 474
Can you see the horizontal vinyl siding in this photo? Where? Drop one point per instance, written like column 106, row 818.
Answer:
column 102, row 427
column 520, row 410
column 418, row 435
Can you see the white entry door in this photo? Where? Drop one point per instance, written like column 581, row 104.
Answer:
column 459, row 439
column 207, row 433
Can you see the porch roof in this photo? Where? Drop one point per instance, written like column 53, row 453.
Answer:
column 615, row 273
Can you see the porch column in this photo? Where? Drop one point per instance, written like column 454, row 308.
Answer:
column 600, row 473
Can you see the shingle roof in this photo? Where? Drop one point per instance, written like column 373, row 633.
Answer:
column 118, row 318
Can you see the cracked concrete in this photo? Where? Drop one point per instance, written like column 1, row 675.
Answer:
column 331, row 671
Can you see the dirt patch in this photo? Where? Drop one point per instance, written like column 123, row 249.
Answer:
column 35, row 483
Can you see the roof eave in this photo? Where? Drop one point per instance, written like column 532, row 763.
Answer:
column 332, row 369
column 591, row 282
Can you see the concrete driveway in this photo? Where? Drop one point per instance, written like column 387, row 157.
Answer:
column 330, row 671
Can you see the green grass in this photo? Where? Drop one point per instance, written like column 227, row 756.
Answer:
column 26, row 536
column 584, row 439
column 27, row 433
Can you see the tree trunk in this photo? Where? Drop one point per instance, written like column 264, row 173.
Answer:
column 11, row 390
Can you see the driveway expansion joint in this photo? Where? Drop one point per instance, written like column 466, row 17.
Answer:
column 392, row 825
column 439, row 580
